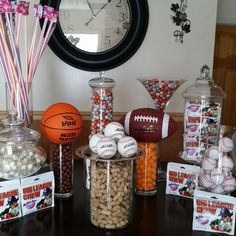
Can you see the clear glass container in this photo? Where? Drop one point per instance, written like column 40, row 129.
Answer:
column 111, row 191
column 203, row 108
column 102, row 103
column 62, row 164
column 20, row 154
column 217, row 173
column 19, row 98
column 161, row 90
column 146, row 169
column 101, row 111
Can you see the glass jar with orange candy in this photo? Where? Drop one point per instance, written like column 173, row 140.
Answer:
column 146, row 170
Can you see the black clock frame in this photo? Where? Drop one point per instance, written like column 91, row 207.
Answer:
column 109, row 59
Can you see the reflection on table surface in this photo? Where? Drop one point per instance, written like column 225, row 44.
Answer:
column 160, row 215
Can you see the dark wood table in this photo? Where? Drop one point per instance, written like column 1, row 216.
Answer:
column 153, row 215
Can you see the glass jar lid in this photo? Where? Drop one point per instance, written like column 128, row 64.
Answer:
column 102, row 82
column 204, row 87
column 14, row 130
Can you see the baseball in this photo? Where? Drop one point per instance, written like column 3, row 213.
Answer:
column 226, row 144
column 205, row 181
column 229, row 184
column 127, row 146
column 208, row 163
column 213, row 152
column 93, row 141
column 227, row 163
column 106, row 147
column 217, row 176
column 114, row 130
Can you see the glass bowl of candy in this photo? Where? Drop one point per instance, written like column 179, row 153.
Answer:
column 20, row 155
column 217, row 168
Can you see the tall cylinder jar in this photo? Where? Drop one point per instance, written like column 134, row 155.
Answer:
column 102, row 103
column 62, row 162
column 111, row 193
column 101, row 111
column 202, row 118
column 146, row 169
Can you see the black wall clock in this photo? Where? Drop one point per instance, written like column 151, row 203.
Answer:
column 97, row 35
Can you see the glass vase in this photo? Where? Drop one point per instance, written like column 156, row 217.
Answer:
column 62, row 164
column 19, row 99
column 101, row 111
column 161, row 90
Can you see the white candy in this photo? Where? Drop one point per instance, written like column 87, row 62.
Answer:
column 213, row 152
column 127, row 146
column 217, row 176
column 208, row 163
column 226, row 144
column 217, row 189
column 227, row 163
column 229, row 184
column 7, row 167
column 93, row 141
column 205, row 181
column 106, row 147
column 30, row 166
column 20, row 160
column 114, row 130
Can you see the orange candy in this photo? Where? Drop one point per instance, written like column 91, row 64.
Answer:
column 146, row 168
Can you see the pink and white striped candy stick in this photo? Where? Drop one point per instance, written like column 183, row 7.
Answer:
column 38, row 13
column 16, row 56
column 52, row 15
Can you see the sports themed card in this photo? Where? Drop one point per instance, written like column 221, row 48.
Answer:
column 182, row 179
column 214, row 212
column 10, row 202
column 37, row 192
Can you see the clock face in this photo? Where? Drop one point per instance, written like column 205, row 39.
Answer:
column 95, row 25
column 98, row 35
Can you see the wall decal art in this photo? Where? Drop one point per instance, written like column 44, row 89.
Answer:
column 180, row 19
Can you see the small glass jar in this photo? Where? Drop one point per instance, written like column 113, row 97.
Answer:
column 62, row 164
column 20, row 155
column 146, row 169
column 203, row 108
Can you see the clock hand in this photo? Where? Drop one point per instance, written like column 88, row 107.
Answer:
column 91, row 9
column 94, row 16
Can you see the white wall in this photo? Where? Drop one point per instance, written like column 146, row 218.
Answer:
column 159, row 55
column 226, row 13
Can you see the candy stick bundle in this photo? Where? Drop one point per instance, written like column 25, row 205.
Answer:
column 19, row 73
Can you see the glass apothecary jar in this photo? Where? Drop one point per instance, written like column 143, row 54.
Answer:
column 217, row 173
column 20, row 154
column 101, row 110
column 102, row 103
column 111, row 191
column 202, row 118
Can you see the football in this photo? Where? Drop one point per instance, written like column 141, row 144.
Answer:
column 148, row 124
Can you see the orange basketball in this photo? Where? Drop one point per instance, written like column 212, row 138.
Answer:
column 61, row 123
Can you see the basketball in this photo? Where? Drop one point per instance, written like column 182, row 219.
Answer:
column 61, row 123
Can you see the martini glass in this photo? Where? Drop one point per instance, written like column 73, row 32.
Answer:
column 161, row 90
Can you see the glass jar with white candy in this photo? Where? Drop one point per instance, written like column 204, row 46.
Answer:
column 217, row 168
column 20, row 155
